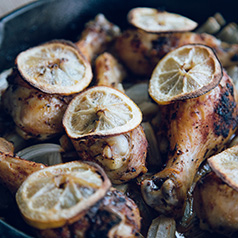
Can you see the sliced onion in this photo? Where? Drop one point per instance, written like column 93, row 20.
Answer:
column 149, row 109
column 154, row 159
column 47, row 153
column 121, row 187
column 138, row 93
column 3, row 80
column 232, row 71
column 162, row 227
column 18, row 142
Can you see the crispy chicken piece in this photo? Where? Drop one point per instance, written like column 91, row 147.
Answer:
column 14, row 170
column 114, row 216
column 122, row 157
column 96, row 36
column 141, row 51
column 215, row 203
column 197, row 128
column 36, row 114
column 109, row 72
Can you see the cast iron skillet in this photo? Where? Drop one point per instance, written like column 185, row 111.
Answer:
column 64, row 19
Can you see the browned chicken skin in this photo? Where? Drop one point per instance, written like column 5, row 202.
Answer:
column 216, row 205
column 96, row 36
column 141, row 51
column 114, row 216
column 109, row 72
column 122, row 157
column 14, row 171
column 197, row 128
column 6, row 146
column 36, row 114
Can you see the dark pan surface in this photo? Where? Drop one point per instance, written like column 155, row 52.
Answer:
column 64, row 19
column 53, row 19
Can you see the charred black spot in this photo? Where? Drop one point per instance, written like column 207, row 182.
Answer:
column 234, row 57
column 136, row 42
column 159, row 43
column 103, row 223
column 206, row 153
column 14, row 87
column 133, row 170
column 40, row 96
column 159, row 182
column 230, row 88
column 173, row 116
column 225, row 111
column 174, row 159
column 174, row 150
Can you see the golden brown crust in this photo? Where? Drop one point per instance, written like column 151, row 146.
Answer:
column 106, row 219
column 97, row 34
column 36, row 114
column 6, row 146
column 141, row 51
column 197, row 128
column 14, row 171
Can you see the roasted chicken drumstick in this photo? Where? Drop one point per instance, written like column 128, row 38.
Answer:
column 196, row 129
column 115, row 215
column 38, row 114
column 141, row 51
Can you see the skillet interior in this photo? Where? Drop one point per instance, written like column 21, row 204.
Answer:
column 54, row 19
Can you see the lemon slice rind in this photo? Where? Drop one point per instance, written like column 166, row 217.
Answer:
column 186, row 72
column 60, row 194
column 56, row 67
column 101, row 111
column 154, row 21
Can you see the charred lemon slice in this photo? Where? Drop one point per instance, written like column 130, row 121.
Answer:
column 55, row 67
column 225, row 165
column 186, row 72
column 153, row 20
column 101, row 111
column 59, row 194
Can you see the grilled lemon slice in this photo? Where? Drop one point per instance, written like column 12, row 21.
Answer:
column 153, row 20
column 186, row 72
column 101, row 111
column 55, row 67
column 59, row 194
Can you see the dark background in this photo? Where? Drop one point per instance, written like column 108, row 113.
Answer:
column 53, row 19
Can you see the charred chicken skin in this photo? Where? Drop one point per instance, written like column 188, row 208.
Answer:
column 196, row 129
column 141, row 51
column 122, row 157
column 113, row 216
